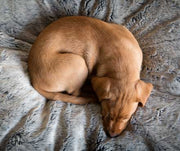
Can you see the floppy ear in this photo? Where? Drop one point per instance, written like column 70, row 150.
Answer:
column 143, row 91
column 101, row 86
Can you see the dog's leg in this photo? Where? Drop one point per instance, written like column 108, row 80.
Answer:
column 76, row 92
column 65, row 72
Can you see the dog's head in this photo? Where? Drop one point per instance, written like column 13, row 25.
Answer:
column 119, row 102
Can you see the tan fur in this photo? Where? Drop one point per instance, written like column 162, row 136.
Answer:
column 73, row 48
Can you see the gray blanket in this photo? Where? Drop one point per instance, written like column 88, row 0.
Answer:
column 28, row 122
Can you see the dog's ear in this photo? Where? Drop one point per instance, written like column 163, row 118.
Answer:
column 143, row 91
column 101, row 86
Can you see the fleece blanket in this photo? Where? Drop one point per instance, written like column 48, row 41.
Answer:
column 29, row 122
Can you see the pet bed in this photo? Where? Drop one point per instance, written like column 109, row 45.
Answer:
column 28, row 122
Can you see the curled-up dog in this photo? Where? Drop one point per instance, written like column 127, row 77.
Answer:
column 73, row 48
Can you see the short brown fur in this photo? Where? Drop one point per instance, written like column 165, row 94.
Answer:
column 73, row 48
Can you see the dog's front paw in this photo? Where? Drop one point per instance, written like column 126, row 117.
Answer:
column 93, row 100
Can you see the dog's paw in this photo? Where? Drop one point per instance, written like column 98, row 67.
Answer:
column 93, row 100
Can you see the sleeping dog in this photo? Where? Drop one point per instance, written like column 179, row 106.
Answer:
column 73, row 48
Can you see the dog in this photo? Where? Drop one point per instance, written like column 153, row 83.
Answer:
column 75, row 48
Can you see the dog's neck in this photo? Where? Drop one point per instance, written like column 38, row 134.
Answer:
column 119, row 66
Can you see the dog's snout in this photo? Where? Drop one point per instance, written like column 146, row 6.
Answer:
column 113, row 134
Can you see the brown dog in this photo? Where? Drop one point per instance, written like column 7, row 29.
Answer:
column 72, row 48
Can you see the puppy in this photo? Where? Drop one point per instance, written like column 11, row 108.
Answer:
column 73, row 48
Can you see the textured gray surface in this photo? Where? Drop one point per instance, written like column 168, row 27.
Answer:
column 29, row 122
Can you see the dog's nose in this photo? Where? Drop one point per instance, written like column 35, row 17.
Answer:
column 112, row 134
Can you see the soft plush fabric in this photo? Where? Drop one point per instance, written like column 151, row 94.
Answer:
column 29, row 122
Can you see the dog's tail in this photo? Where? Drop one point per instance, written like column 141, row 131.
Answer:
column 65, row 97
